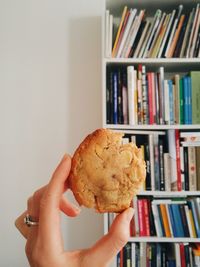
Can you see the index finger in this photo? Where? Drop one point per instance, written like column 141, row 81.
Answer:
column 49, row 221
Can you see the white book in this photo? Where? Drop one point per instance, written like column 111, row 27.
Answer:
column 172, row 154
column 166, row 34
column 166, row 105
column 174, row 29
column 141, row 41
column 126, row 31
column 133, row 34
column 167, row 172
column 133, row 254
column 153, row 30
column 135, row 97
column 110, row 36
column 177, row 255
column 192, row 32
column 107, row 33
column 131, row 95
column 157, row 220
column 196, row 29
column 127, row 46
column 136, row 220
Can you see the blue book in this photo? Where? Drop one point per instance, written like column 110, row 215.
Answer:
column 171, row 102
column 191, row 205
column 172, row 220
column 186, row 100
column 115, row 89
column 178, row 220
column 189, row 85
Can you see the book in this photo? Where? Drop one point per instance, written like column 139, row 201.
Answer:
column 192, row 168
column 194, row 39
column 160, row 38
column 126, row 31
column 153, row 29
column 131, row 95
column 192, row 31
column 119, row 30
column 132, row 35
column 195, row 81
column 186, row 36
column 156, row 34
column 175, row 37
column 141, row 41
column 173, row 29
column 166, row 35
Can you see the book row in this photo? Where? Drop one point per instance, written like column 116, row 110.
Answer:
column 172, row 159
column 159, row 254
column 176, row 217
column 137, row 96
column 136, row 35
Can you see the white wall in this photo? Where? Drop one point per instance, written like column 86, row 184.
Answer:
column 50, row 82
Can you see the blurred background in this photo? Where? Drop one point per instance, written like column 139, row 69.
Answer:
column 50, row 99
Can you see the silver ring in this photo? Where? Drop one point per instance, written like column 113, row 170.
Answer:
column 28, row 220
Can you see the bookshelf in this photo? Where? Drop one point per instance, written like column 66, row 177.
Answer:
column 172, row 66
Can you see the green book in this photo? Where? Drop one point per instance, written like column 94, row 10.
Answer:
column 195, row 81
column 181, row 102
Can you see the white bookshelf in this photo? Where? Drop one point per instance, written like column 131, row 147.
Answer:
column 172, row 65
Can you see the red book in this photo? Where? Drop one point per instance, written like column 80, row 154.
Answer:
column 178, row 162
column 141, row 217
column 182, row 255
column 150, row 97
column 146, row 217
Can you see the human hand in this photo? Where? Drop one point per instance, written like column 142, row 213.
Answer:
column 44, row 246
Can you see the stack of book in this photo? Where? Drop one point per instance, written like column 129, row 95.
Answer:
column 172, row 159
column 144, row 97
column 159, row 254
column 174, row 34
column 166, row 217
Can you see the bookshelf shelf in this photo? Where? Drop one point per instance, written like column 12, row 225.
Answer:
column 164, row 239
column 159, row 61
column 151, row 127
column 169, row 194
column 153, row 68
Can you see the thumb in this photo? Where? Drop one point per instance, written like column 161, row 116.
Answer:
column 108, row 246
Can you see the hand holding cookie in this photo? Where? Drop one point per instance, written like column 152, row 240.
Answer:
column 105, row 174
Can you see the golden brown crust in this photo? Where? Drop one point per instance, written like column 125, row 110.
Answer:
column 105, row 174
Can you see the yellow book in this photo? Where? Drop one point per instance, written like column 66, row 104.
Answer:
column 119, row 30
column 165, row 220
column 192, row 224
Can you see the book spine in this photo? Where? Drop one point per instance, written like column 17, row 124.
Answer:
column 192, row 169
column 131, row 89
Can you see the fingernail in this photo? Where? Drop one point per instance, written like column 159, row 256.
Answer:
column 129, row 214
column 76, row 208
column 64, row 157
